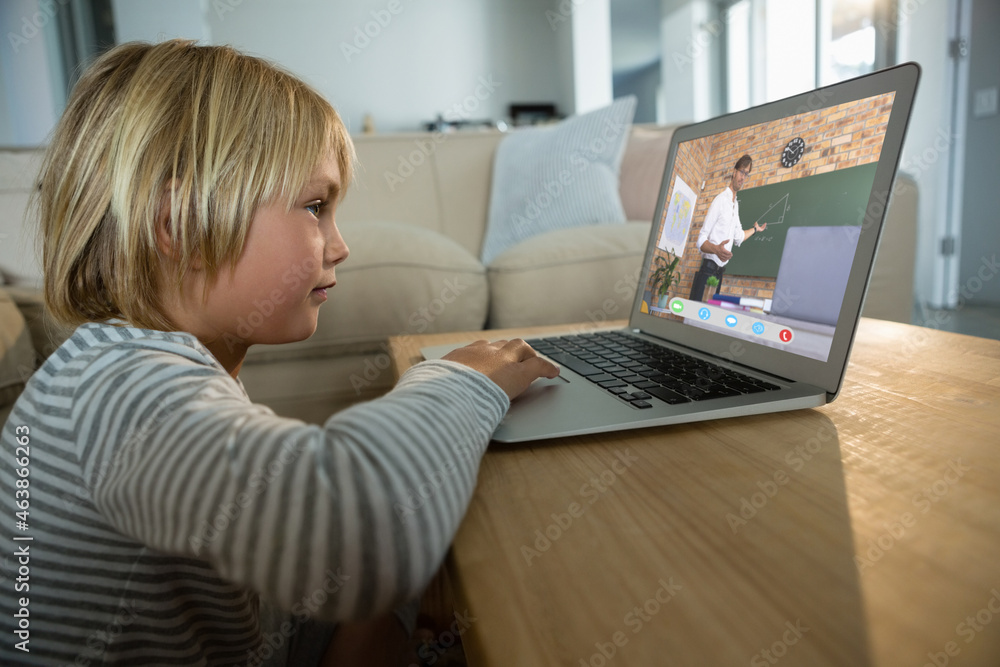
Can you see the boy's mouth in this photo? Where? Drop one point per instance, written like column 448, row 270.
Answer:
column 322, row 290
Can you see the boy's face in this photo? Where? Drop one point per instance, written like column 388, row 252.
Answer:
column 280, row 281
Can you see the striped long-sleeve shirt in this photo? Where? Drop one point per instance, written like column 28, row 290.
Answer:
column 163, row 505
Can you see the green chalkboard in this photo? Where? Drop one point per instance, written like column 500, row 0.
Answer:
column 834, row 198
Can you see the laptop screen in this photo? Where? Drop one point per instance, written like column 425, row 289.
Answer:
column 758, row 225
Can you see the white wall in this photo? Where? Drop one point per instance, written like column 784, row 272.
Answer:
column 6, row 128
column 402, row 61
column 155, row 20
column 26, row 28
column 592, row 77
column 687, row 68
column 923, row 38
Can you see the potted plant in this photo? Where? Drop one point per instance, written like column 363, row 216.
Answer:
column 662, row 279
column 712, row 286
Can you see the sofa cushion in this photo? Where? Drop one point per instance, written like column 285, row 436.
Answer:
column 587, row 274
column 17, row 355
column 559, row 176
column 435, row 180
column 399, row 279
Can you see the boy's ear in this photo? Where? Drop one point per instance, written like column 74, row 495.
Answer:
column 164, row 230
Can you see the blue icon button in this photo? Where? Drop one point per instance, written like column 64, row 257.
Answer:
column 730, row 320
column 704, row 313
column 758, row 328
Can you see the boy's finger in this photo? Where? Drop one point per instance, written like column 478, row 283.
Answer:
column 551, row 370
column 520, row 349
column 542, row 367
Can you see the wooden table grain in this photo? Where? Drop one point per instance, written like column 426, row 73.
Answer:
column 865, row 532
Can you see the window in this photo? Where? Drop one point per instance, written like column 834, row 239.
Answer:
column 778, row 48
column 847, row 39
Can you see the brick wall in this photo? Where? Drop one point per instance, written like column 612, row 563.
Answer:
column 838, row 137
column 690, row 164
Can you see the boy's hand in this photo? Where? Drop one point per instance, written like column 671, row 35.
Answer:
column 512, row 364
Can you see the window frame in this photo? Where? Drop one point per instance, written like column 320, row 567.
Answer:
column 884, row 20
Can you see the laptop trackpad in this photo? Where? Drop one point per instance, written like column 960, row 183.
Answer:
column 543, row 386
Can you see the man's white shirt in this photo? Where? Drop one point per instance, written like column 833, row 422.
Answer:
column 722, row 223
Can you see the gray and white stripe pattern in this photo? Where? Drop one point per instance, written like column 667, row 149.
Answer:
column 165, row 506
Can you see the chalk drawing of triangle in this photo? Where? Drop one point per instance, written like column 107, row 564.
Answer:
column 781, row 218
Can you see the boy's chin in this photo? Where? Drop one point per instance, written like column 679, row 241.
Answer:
column 301, row 334
column 289, row 335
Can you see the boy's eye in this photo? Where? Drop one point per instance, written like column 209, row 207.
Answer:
column 315, row 208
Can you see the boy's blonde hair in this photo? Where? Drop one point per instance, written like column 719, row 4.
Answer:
column 205, row 131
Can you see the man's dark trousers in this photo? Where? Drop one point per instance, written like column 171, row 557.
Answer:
column 708, row 268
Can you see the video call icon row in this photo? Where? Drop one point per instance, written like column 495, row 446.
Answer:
column 726, row 319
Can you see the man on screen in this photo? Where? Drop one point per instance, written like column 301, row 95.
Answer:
column 721, row 228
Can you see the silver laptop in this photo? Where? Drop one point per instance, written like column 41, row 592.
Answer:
column 774, row 331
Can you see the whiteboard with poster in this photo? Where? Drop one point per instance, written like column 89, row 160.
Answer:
column 676, row 220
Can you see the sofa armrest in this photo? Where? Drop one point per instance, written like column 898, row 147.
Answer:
column 17, row 353
column 46, row 333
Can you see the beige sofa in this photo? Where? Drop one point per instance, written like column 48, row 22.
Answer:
column 414, row 220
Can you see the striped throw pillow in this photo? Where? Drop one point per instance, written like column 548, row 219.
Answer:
column 558, row 176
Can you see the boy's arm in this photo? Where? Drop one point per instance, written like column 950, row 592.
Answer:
column 342, row 521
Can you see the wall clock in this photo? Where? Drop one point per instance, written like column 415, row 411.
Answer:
column 793, row 152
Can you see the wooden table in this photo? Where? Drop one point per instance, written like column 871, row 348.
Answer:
column 866, row 532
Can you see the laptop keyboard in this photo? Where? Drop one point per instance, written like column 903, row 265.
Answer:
column 637, row 371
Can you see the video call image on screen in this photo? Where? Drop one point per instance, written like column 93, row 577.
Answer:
column 771, row 264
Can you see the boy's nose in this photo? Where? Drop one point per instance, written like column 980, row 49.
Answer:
column 336, row 248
